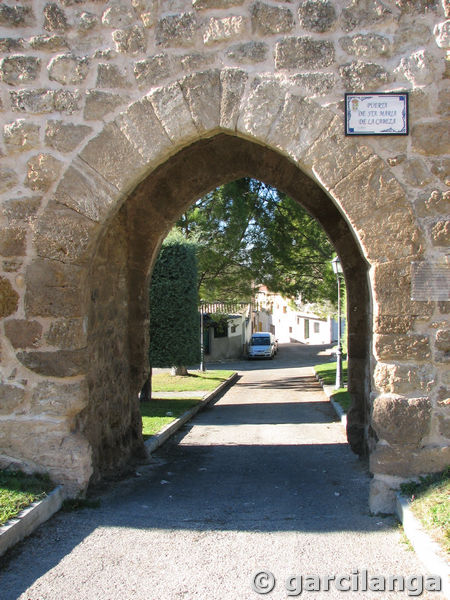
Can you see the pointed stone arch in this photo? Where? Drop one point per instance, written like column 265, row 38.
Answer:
column 98, row 234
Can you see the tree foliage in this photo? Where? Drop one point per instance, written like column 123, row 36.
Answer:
column 247, row 232
column 174, row 317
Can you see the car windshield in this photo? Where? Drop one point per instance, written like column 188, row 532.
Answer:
column 261, row 341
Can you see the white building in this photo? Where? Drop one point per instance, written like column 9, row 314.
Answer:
column 289, row 323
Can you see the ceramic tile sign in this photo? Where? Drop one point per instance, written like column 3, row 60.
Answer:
column 430, row 281
column 376, row 114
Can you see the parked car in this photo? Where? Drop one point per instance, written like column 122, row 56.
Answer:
column 262, row 345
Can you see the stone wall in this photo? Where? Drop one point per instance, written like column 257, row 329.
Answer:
column 99, row 101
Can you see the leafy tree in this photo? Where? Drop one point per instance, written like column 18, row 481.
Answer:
column 246, row 233
column 174, row 317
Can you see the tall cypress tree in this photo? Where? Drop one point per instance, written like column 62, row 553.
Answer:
column 174, row 317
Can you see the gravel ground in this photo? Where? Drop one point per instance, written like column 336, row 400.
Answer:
column 263, row 480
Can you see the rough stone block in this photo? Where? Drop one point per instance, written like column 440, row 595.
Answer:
column 268, row 20
column 66, row 101
column 53, row 289
column 153, row 70
column 404, row 379
column 16, row 70
column 419, row 68
column 12, row 396
column 22, row 333
column 21, row 135
column 300, row 123
column 402, row 347
column 440, row 233
column 232, row 85
column 369, row 187
column 54, row 18
column 410, row 35
column 370, row 45
column 398, row 462
column 43, row 170
column 442, row 34
column 202, row 94
column 68, row 69
column 382, row 496
column 68, row 334
column 64, row 234
column 99, row 104
column 248, row 52
column 16, row 15
column 8, row 179
column 171, row 109
column 400, row 420
column 110, row 76
column 85, row 191
column 9, row 298
column 45, row 101
column 112, row 155
column 417, row 6
column 314, row 84
column 393, row 323
column 177, row 30
column 303, row 53
column 13, row 241
column 362, row 13
column 224, row 29
column 9, row 45
column 65, row 137
column 62, row 363
column 131, row 40
column 264, row 103
column 142, row 128
column 118, row 14
column 54, row 399
column 21, row 209
column 416, row 173
column 443, row 340
column 317, row 15
column 363, row 76
column 48, row 43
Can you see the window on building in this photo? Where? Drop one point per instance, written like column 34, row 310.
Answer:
column 290, row 329
column 285, row 309
column 306, row 329
column 316, row 327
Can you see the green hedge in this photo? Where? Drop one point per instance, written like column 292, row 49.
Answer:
column 174, row 316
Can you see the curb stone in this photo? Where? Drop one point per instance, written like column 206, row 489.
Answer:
column 426, row 549
column 159, row 438
column 329, row 391
column 30, row 518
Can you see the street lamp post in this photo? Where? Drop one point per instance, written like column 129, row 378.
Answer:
column 202, row 345
column 337, row 269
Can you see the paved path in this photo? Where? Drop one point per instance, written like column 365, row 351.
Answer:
column 262, row 480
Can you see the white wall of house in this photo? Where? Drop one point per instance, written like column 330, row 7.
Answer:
column 279, row 316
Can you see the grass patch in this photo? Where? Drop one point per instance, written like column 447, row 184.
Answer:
column 194, row 382
column 342, row 397
column 155, row 413
column 430, row 503
column 18, row 490
column 327, row 372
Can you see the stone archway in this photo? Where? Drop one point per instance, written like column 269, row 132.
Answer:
column 97, row 236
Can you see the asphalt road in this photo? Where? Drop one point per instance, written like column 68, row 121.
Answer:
column 263, row 480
